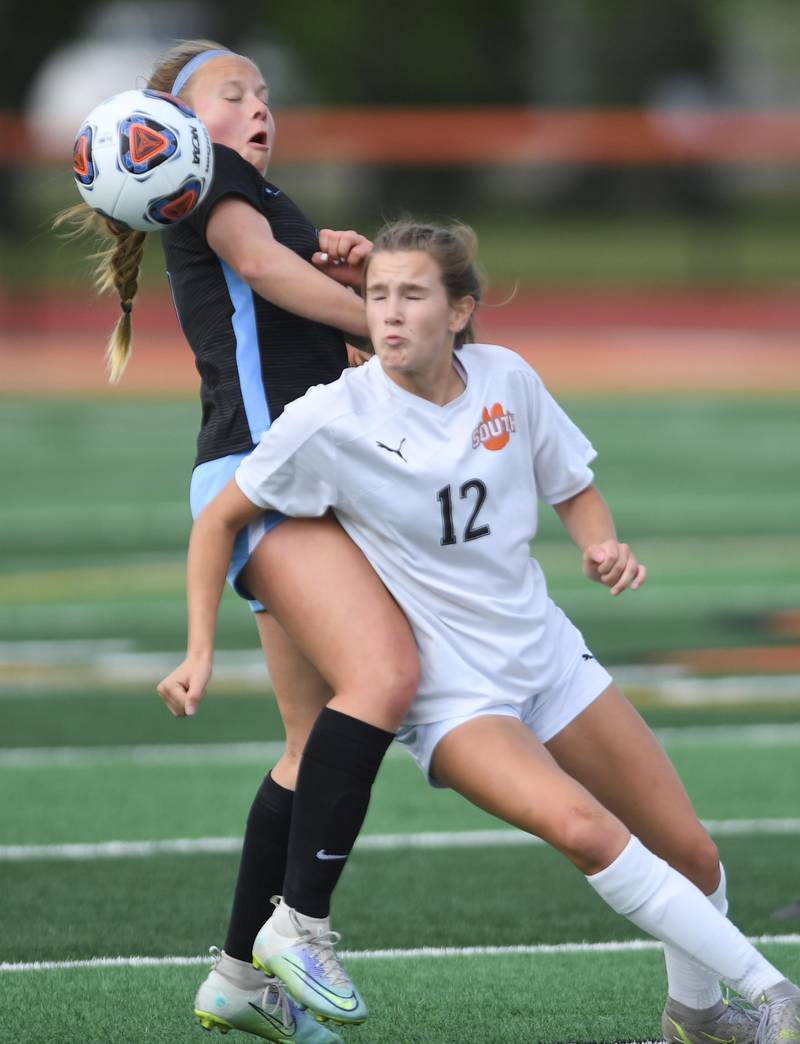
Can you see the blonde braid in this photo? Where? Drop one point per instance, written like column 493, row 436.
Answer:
column 122, row 274
column 116, row 269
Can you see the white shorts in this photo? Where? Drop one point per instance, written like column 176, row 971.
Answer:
column 545, row 714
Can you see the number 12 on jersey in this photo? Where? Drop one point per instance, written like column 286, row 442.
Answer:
column 471, row 530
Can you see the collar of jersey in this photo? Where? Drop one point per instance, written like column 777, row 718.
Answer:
column 401, row 393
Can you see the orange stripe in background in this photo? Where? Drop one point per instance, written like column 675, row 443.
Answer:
column 530, row 136
column 505, row 136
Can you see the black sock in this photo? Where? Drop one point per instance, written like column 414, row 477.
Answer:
column 262, row 867
column 340, row 762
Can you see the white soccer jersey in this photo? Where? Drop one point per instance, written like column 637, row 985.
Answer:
column 443, row 502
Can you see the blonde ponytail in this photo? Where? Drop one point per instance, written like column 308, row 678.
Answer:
column 123, row 275
column 116, row 270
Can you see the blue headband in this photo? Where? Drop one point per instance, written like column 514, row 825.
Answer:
column 193, row 65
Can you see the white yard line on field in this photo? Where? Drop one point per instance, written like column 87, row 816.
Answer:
column 787, row 734
column 369, row 842
column 143, row 753
column 675, row 686
column 631, row 946
column 43, row 669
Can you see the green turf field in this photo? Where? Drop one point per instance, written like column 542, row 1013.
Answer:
column 80, row 905
column 91, row 614
column 93, row 538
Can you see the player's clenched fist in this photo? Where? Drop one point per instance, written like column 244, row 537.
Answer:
column 183, row 689
column 341, row 255
column 614, row 565
column 349, row 246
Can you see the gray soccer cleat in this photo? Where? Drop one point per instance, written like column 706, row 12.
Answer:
column 310, row 969
column 267, row 1012
column 726, row 1023
column 780, row 1015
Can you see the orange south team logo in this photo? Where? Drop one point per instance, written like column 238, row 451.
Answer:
column 495, row 429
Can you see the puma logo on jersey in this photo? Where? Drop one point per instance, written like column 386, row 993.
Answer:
column 495, row 429
column 391, row 449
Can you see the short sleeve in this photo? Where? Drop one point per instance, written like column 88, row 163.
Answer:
column 233, row 176
column 561, row 452
column 293, row 468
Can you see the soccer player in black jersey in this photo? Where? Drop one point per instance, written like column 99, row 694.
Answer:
column 259, row 296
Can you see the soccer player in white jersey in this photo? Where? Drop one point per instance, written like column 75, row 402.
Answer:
column 434, row 457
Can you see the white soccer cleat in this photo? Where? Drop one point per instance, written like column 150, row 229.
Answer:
column 267, row 1012
column 310, row 969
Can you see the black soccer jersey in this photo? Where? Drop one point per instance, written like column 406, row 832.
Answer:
column 253, row 357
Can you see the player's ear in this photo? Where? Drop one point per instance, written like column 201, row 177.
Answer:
column 461, row 313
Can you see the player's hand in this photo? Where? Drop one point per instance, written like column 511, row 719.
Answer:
column 355, row 357
column 185, row 687
column 341, row 255
column 614, row 565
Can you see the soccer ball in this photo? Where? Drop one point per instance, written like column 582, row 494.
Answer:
column 143, row 159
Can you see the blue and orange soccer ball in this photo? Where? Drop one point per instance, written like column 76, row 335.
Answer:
column 143, row 159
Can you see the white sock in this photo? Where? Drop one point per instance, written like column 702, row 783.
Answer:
column 240, row 973
column 286, row 921
column 664, row 903
column 688, row 982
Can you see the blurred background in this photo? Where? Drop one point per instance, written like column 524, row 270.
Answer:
column 632, row 172
column 660, row 138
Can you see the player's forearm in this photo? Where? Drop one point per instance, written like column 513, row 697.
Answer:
column 587, row 518
column 243, row 239
column 283, row 278
column 210, row 548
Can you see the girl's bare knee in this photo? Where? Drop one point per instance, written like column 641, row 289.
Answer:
column 381, row 694
column 399, row 686
column 699, row 861
column 589, row 837
column 382, row 689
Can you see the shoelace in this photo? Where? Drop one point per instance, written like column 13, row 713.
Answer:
column 323, row 949
column 768, row 1008
column 738, row 1005
column 279, row 1008
column 327, row 959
